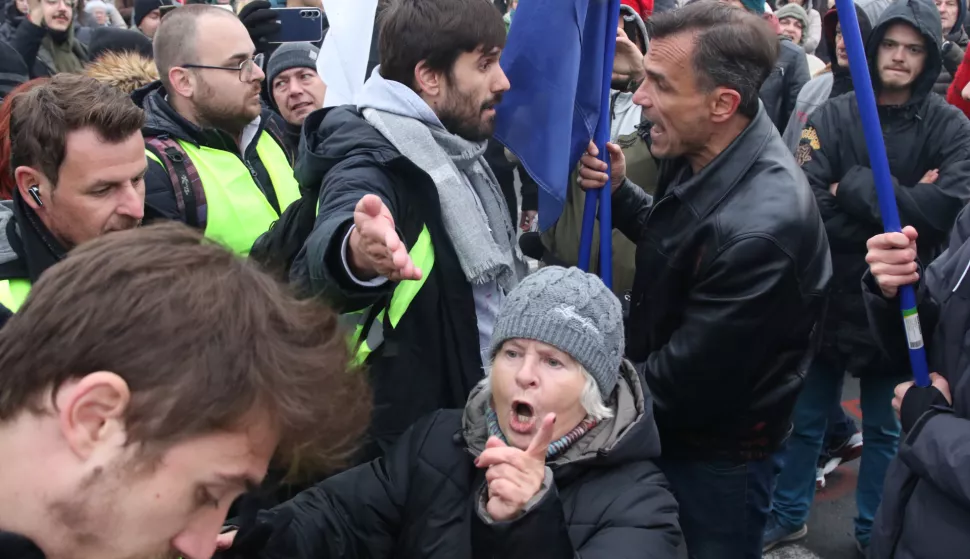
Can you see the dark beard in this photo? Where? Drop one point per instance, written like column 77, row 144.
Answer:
column 462, row 116
column 219, row 117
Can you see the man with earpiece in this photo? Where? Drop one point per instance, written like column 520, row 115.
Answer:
column 78, row 160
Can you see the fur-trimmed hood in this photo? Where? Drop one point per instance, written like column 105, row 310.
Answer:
column 126, row 71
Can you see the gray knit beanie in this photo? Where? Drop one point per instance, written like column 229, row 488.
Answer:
column 291, row 55
column 572, row 311
column 794, row 11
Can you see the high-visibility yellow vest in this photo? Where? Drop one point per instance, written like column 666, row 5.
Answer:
column 13, row 293
column 237, row 210
column 422, row 254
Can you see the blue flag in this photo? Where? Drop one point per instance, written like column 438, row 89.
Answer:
column 554, row 59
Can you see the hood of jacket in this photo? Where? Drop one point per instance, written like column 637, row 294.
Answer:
column 630, row 436
column 923, row 16
column 830, row 22
column 957, row 33
column 13, row 17
column 161, row 119
column 333, row 134
column 127, row 71
column 396, row 98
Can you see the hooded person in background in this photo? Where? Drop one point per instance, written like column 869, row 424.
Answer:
column 45, row 39
column 793, row 21
column 813, row 28
column 952, row 14
column 928, row 148
column 295, row 87
column 552, row 457
column 834, row 80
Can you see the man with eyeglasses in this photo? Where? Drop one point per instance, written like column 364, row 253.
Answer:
column 45, row 39
column 217, row 159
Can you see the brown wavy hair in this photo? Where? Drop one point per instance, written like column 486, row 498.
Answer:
column 7, row 184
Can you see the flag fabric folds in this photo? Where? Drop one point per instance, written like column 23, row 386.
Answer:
column 555, row 61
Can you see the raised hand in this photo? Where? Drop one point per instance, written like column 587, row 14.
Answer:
column 375, row 248
column 892, row 260
column 592, row 171
column 515, row 476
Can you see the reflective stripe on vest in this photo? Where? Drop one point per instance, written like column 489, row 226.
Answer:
column 237, row 210
column 422, row 254
column 13, row 293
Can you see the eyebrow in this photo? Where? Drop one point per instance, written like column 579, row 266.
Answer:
column 240, row 57
column 900, row 43
column 654, row 76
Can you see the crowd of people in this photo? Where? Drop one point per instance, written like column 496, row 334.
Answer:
column 235, row 323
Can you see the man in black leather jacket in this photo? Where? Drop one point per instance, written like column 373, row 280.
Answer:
column 732, row 270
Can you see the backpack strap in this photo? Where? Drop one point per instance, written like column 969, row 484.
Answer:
column 276, row 132
column 189, row 195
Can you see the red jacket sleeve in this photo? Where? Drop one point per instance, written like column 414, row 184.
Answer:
column 642, row 7
column 954, row 94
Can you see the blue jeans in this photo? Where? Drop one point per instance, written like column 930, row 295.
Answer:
column 840, row 427
column 795, row 489
column 723, row 505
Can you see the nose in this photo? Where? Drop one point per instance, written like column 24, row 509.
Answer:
column 641, row 97
column 258, row 73
column 502, row 84
column 295, row 88
column 132, row 203
column 527, row 376
column 198, row 541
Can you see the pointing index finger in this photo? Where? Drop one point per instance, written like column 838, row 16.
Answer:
column 539, row 446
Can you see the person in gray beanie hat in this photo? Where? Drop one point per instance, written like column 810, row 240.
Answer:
column 572, row 311
column 295, row 88
column 553, row 455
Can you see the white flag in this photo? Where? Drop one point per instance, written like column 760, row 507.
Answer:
column 342, row 64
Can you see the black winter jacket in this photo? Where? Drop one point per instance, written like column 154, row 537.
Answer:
column 14, row 546
column 781, row 88
column 161, row 119
column 925, row 509
column 605, row 498
column 13, row 71
column 10, row 23
column 432, row 359
column 732, row 267
column 923, row 134
column 27, row 247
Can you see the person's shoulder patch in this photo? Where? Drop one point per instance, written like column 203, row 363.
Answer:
column 810, row 137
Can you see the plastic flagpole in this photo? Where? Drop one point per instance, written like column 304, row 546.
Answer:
column 872, row 129
column 601, row 137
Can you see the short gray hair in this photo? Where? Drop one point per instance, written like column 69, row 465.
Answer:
column 591, row 398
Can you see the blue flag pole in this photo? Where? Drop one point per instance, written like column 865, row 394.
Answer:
column 601, row 137
column 866, row 99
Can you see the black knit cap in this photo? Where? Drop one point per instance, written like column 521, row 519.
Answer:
column 144, row 7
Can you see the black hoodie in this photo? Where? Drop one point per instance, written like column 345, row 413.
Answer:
column 924, row 133
column 842, row 79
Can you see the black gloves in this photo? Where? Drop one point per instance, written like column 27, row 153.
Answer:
column 260, row 20
column 917, row 401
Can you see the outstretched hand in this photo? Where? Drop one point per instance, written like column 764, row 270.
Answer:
column 515, row 476
column 375, row 249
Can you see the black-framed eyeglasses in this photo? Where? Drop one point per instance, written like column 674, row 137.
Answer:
column 246, row 68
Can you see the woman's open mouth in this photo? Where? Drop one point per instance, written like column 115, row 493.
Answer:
column 522, row 417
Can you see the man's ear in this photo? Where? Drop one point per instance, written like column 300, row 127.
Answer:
column 724, row 104
column 91, row 411
column 182, row 81
column 26, row 177
column 429, row 83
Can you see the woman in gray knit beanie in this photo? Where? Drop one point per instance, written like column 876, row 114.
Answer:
column 552, row 456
